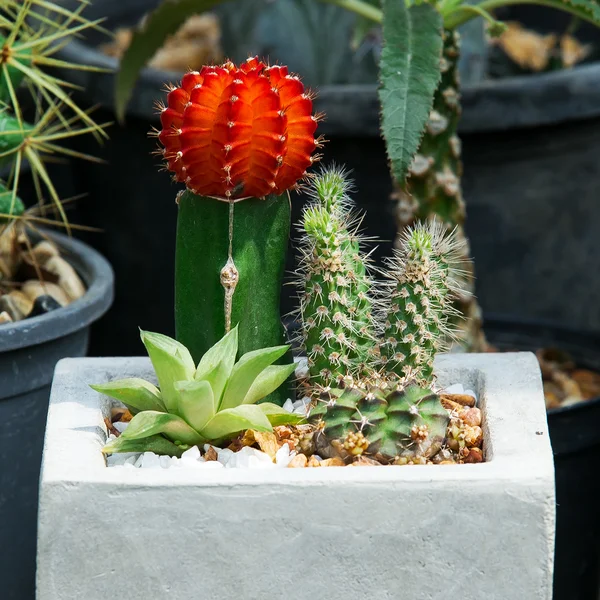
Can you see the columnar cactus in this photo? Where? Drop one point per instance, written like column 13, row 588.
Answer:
column 433, row 187
column 425, row 277
column 405, row 423
column 238, row 138
column 336, row 305
column 387, row 408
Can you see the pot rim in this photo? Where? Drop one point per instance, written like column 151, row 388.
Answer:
column 97, row 274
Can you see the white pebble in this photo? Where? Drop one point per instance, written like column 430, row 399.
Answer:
column 250, row 458
column 150, row 461
column 456, row 388
column 223, row 455
column 288, row 405
column 120, row 458
column 284, row 456
column 302, row 406
column 192, row 453
column 165, row 461
column 120, row 426
column 301, row 367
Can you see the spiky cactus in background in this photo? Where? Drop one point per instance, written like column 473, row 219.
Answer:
column 420, row 106
column 30, row 34
column 336, row 301
column 239, row 138
column 32, row 127
column 426, row 276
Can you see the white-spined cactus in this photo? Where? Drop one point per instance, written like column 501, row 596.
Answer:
column 336, row 303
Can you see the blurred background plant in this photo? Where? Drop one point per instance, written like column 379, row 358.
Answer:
column 37, row 117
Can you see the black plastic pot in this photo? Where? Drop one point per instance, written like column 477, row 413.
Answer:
column 29, row 351
column 532, row 179
column 575, row 437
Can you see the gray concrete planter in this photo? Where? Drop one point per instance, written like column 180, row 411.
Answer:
column 468, row 531
column 29, row 351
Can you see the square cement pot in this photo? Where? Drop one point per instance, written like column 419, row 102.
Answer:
column 410, row 533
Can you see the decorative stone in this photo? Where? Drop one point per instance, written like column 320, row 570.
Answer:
column 42, row 305
column 34, row 289
column 5, row 317
column 16, row 304
column 68, row 279
column 44, row 251
column 477, row 530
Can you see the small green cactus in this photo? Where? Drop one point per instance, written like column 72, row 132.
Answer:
column 425, row 277
column 210, row 403
column 407, row 422
column 336, row 304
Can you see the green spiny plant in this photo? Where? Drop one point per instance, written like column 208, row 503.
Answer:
column 375, row 401
column 407, row 423
column 426, row 276
column 420, row 106
column 31, row 31
column 212, row 402
column 336, row 303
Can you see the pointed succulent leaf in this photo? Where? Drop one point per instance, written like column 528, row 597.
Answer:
column 155, row 443
column 245, row 372
column 217, row 378
column 224, row 351
column 196, row 402
column 409, row 72
column 151, row 422
column 171, row 361
column 136, row 394
column 279, row 416
column 228, row 422
column 268, row 381
column 217, row 363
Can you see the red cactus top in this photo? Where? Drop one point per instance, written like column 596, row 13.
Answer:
column 238, row 132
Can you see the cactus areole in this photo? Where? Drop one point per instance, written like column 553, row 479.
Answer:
column 239, row 138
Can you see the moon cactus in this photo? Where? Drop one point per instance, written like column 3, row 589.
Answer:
column 239, row 138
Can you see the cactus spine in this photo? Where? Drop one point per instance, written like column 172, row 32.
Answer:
column 425, row 277
column 335, row 304
column 433, row 187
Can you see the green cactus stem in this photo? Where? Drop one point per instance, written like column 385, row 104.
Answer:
column 9, row 204
column 222, row 281
column 335, row 302
column 433, row 187
column 408, row 423
column 12, row 135
column 425, row 277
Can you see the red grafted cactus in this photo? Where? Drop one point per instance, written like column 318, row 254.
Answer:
column 238, row 132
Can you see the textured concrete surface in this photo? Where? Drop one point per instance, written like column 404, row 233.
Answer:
column 408, row 533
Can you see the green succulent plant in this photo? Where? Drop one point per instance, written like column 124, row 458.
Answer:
column 212, row 402
column 404, row 422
